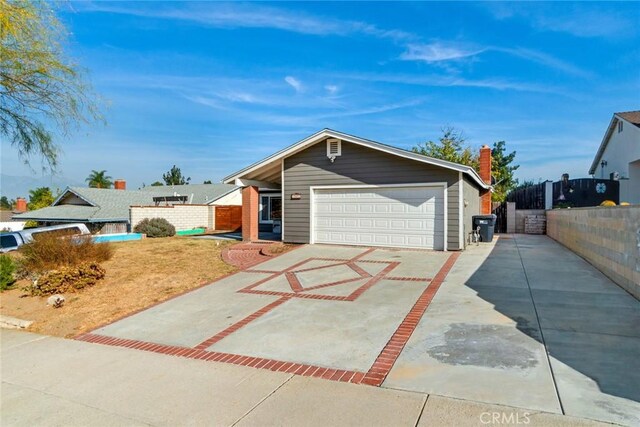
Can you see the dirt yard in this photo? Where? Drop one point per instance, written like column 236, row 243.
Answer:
column 140, row 274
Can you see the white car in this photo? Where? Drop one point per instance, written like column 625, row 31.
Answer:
column 13, row 240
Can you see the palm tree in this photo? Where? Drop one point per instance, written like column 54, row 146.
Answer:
column 99, row 179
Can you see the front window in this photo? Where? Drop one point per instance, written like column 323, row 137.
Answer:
column 270, row 208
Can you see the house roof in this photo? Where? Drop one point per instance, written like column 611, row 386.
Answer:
column 75, row 213
column 273, row 172
column 106, row 205
column 6, row 215
column 632, row 117
column 198, row 193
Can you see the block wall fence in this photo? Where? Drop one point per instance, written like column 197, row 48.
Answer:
column 607, row 237
column 182, row 217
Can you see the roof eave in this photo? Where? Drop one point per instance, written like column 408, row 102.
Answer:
column 603, row 144
column 69, row 189
column 302, row 144
column 235, row 188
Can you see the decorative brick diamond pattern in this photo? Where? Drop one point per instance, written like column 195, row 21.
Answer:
column 374, row 376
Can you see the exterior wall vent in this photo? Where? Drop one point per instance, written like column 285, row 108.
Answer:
column 334, row 148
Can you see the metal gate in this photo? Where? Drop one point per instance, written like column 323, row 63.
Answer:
column 500, row 212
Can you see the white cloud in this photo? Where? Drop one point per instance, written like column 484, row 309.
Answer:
column 442, row 52
column 438, row 80
column 583, row 19
column 294, row 83
column 544, row 59
column 236, row 15
column 332, row 89
column 439, row 51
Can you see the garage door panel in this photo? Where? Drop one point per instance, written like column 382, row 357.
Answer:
column 394, row 216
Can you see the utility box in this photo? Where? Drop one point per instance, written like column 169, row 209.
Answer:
column 486, row 223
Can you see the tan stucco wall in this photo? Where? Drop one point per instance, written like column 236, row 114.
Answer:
column 232, row 199
column 183, row 217
column 609, row 238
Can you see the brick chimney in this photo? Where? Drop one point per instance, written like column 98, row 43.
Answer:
column 485, row 174
column 21, row 204
column 120, row 184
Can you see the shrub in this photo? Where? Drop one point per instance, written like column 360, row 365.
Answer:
column 155, row 227
column 608, row 203
column 67, row 279
column 7, row 268
column 52, row 250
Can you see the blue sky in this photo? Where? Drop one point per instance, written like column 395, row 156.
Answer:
column 212, row 87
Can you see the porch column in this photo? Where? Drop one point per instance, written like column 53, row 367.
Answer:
column 249, row 214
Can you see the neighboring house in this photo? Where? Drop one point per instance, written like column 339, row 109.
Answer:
column 341, row 189
column 6, row 220
column 108, row 210
column 618, row 156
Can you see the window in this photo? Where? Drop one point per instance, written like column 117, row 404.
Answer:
column 8, row 241
column 270, row 208
column 620, row 124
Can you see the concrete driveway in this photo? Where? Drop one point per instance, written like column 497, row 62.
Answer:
column 520, row 322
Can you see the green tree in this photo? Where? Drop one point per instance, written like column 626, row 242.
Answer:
column 208, row 181
column 42, row 92
column 40, row 198
column 175, row 177
column 502, row 169
column 99, row 179
column 157, row 184
column 451, row 147
column 5, row 203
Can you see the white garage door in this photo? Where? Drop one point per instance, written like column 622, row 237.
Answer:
column 411, row 217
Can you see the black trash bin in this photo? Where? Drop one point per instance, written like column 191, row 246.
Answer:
column 486, row 224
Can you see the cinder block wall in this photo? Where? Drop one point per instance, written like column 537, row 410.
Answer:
column 607, row 237
column 521, row 214
column 183, row 217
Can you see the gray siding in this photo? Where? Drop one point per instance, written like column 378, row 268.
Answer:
column 470, row 194
column 357, row 165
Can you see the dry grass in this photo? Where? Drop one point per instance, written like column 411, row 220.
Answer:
column 53, row 250
column 139, row 274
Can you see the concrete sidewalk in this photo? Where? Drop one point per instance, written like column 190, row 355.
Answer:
column 53, row 381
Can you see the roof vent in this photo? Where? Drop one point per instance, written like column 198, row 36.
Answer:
column 334, row 148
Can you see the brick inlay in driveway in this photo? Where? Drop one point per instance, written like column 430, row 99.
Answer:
column 320, row 273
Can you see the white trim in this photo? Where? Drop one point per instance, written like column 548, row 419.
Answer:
column 283, row 200
column 461, row 212
column 70, row 190
column 318, row 136
column 312, row 190
column 446, row 218
column 615, row 119
column 261, row 206
column 255, row 183
column 412, row 184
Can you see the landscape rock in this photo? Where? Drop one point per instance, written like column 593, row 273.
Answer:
column 56, row 301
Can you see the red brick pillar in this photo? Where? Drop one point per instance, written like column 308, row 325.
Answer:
column 249, row 214
column 485, row 174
